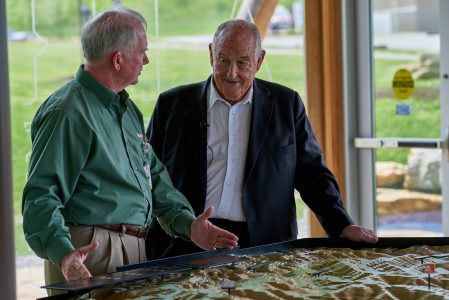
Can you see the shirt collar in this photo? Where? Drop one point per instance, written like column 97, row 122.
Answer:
column 105, row 95
column 214, row 96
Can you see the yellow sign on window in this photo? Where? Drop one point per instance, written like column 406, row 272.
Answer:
column 403, row 84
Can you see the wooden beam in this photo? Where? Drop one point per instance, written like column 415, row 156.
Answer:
column 259, row 11
column 324, row 76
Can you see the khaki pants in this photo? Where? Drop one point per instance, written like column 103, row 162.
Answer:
column 115, row 249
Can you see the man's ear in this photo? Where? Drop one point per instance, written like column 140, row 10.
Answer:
column 260, row 59
column 117, row 59
column 211, row 56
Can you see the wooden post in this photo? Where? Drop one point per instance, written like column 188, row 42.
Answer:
column 259, row 11
column 324, row 73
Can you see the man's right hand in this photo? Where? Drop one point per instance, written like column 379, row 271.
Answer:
column 208, row 236
column 359, row 234
column 72, row 265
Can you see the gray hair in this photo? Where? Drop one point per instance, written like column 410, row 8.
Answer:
column 229, row 26
column 111, row 31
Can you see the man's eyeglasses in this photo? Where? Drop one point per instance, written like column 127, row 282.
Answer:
column 242, row 64
column 211, row 159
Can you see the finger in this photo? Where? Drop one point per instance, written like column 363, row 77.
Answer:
column 225, row 243
column 82, row 270
column 220, row 232
column 365, row 235
column 370, row 237
column 206, row 214
column 73, row 268
column 86, row 250
column 78, row 272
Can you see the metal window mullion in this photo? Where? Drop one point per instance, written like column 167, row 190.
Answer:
column 444, row 100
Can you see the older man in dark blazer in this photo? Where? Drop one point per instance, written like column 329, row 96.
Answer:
column 243, row 145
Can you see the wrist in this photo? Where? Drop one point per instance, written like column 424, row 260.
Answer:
column 58, row 250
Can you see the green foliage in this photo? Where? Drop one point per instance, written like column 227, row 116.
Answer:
column 424, row 122
column 181, row 17
column 384, row 70
column 176, row 17
column 57, row 18
column 19, row 14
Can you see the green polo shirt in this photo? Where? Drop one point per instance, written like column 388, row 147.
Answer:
column 87, row 167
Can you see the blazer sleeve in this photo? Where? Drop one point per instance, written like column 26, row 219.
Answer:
column 315, row 182
column 155, row 130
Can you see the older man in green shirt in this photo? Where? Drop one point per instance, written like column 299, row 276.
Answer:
column 94, row 182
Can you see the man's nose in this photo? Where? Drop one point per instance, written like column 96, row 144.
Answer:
column 233, row 70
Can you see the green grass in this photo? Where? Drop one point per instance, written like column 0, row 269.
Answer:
column 424, row 122
column 176, row 17
column 300, row 205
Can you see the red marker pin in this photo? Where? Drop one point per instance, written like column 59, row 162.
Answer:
column 429, row 269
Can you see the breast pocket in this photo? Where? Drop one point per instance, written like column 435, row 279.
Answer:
column 283, row 150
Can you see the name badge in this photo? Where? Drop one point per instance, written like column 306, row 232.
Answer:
column 147, row 170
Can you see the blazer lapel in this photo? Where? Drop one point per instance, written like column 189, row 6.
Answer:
column 262, row 109
column 195, row 120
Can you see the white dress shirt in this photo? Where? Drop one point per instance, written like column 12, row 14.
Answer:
column 227, row 139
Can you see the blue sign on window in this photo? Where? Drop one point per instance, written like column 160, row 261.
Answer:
column 403, row 109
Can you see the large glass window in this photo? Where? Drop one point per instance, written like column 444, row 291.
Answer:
column 407, row 105
column 402, row 126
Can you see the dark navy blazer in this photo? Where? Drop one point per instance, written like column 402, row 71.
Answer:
column 283, row 155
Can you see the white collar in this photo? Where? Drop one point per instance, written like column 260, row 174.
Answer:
column 214, row 96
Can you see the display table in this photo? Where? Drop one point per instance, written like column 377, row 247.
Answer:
column 394, row 268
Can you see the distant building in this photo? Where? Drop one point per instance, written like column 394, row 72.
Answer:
column 405, row 16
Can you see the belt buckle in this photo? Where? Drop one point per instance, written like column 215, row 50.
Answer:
column 141, row 231
column 123, row 231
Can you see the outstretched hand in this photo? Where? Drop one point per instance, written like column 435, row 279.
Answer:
column 359, row 234
column 72, row 265
column 207, row 236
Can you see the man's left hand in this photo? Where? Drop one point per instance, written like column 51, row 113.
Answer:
column 359, row 234
column 72, row 265
column 207, row 236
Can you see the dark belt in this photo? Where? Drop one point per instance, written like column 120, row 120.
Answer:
column 137, row 231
